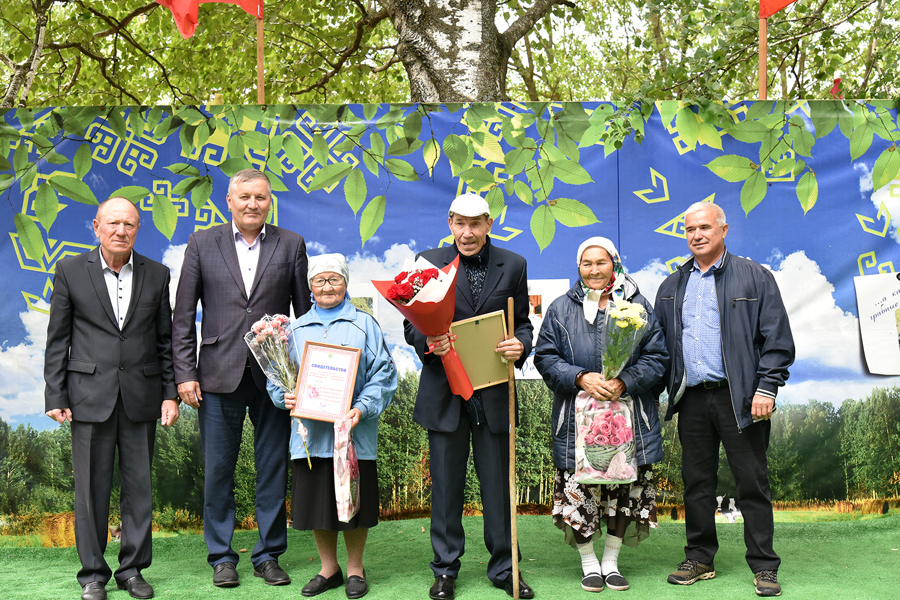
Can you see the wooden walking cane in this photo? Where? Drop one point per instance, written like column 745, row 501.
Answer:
column 511, row 379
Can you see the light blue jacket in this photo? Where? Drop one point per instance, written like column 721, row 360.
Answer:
column 376, row 379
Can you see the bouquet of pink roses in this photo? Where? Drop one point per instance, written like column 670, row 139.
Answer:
column 604, row 441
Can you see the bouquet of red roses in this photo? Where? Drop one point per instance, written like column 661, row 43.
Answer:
column 426, row 296
column 409, row 283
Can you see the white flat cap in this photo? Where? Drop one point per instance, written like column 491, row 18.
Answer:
column 470, row 205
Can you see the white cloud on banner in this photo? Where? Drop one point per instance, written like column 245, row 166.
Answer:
column 832, row 390
column 891, row 202
column 173, row 257
column 823, row 332
column 366, row 267
column 22, row 369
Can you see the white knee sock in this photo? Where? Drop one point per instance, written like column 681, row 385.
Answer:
column 589, row 562
column 610, row 563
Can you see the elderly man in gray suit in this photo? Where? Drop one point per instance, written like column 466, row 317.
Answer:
column 239, row 272
column 108, row 370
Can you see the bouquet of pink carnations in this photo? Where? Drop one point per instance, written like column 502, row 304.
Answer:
column 270, row 340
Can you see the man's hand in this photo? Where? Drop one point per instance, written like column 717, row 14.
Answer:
column 170, row 412
column 439, row 345
column 190, row 394
column 60, row 415
column 762, row 407
column 511, row 349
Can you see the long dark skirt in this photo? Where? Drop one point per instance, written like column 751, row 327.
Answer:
column 313, row 504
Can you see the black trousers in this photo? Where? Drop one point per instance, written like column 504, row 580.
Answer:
column 449, row 453
column 93, row 454
column 706, row 419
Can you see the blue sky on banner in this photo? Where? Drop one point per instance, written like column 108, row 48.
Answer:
column 638, row 195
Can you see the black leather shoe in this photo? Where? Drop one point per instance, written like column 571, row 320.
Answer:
column 442, row 589
column 319, row 584
column 356, row 586
column 525, row 590
column 272, row 573
column 225, row 575
column 137, row 587
column 93, row 591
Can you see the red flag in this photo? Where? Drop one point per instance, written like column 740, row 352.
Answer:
column 185, row 11
column 767, row 8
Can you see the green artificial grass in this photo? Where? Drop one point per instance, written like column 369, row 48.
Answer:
column 821, row 560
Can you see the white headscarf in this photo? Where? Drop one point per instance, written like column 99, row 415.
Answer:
column 328, row 263
column 591, row 303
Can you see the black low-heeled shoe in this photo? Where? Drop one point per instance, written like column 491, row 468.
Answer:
column 319, row 584
column 356, row 586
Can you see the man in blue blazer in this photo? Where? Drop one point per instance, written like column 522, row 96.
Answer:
column 108, row 370
column 239, row 272
column 488, row 276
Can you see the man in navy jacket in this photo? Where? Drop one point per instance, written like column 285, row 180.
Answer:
column 730, row 345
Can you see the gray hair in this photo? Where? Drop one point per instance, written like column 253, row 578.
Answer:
column 698, row 206
column 245, row 175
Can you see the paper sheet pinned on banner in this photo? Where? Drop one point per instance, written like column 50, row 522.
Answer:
column 878, row 304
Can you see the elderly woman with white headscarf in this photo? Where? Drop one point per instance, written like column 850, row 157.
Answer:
column 333, row 319
column 569, row 357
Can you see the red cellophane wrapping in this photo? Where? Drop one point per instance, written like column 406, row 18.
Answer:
column 434, row 318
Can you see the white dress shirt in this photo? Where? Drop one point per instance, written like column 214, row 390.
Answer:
column 248, row 255
column 119, row 285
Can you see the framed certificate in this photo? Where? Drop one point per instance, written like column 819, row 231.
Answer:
column 476, row 340
column 327, row 378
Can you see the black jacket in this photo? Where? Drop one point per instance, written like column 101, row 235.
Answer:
column 757, row 345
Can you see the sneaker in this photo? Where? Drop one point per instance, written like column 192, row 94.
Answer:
column 592, row 582
column 615, row 581
column 690, row 571
column 766, row 583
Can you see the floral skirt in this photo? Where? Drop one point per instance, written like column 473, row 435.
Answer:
column 628, row 510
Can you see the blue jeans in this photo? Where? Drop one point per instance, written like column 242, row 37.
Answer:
column 221, row 425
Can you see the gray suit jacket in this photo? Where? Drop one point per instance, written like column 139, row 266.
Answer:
column 89, row 361
column 211, row 275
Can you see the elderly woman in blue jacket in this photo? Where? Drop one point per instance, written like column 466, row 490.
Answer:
column 568, row 355
column 334, row 320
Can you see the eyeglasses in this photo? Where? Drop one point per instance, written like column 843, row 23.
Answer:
column 332, row 281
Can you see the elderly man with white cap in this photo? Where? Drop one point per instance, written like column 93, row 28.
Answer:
column 333, row 319
column 488, row 276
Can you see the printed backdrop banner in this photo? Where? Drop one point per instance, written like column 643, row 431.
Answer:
column 374, row 182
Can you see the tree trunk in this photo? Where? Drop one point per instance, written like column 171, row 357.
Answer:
column 27, row 69
column 451, row 49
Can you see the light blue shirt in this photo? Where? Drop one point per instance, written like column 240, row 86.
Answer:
column 701, row 336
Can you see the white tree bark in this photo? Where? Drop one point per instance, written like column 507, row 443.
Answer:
column 452, row 50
